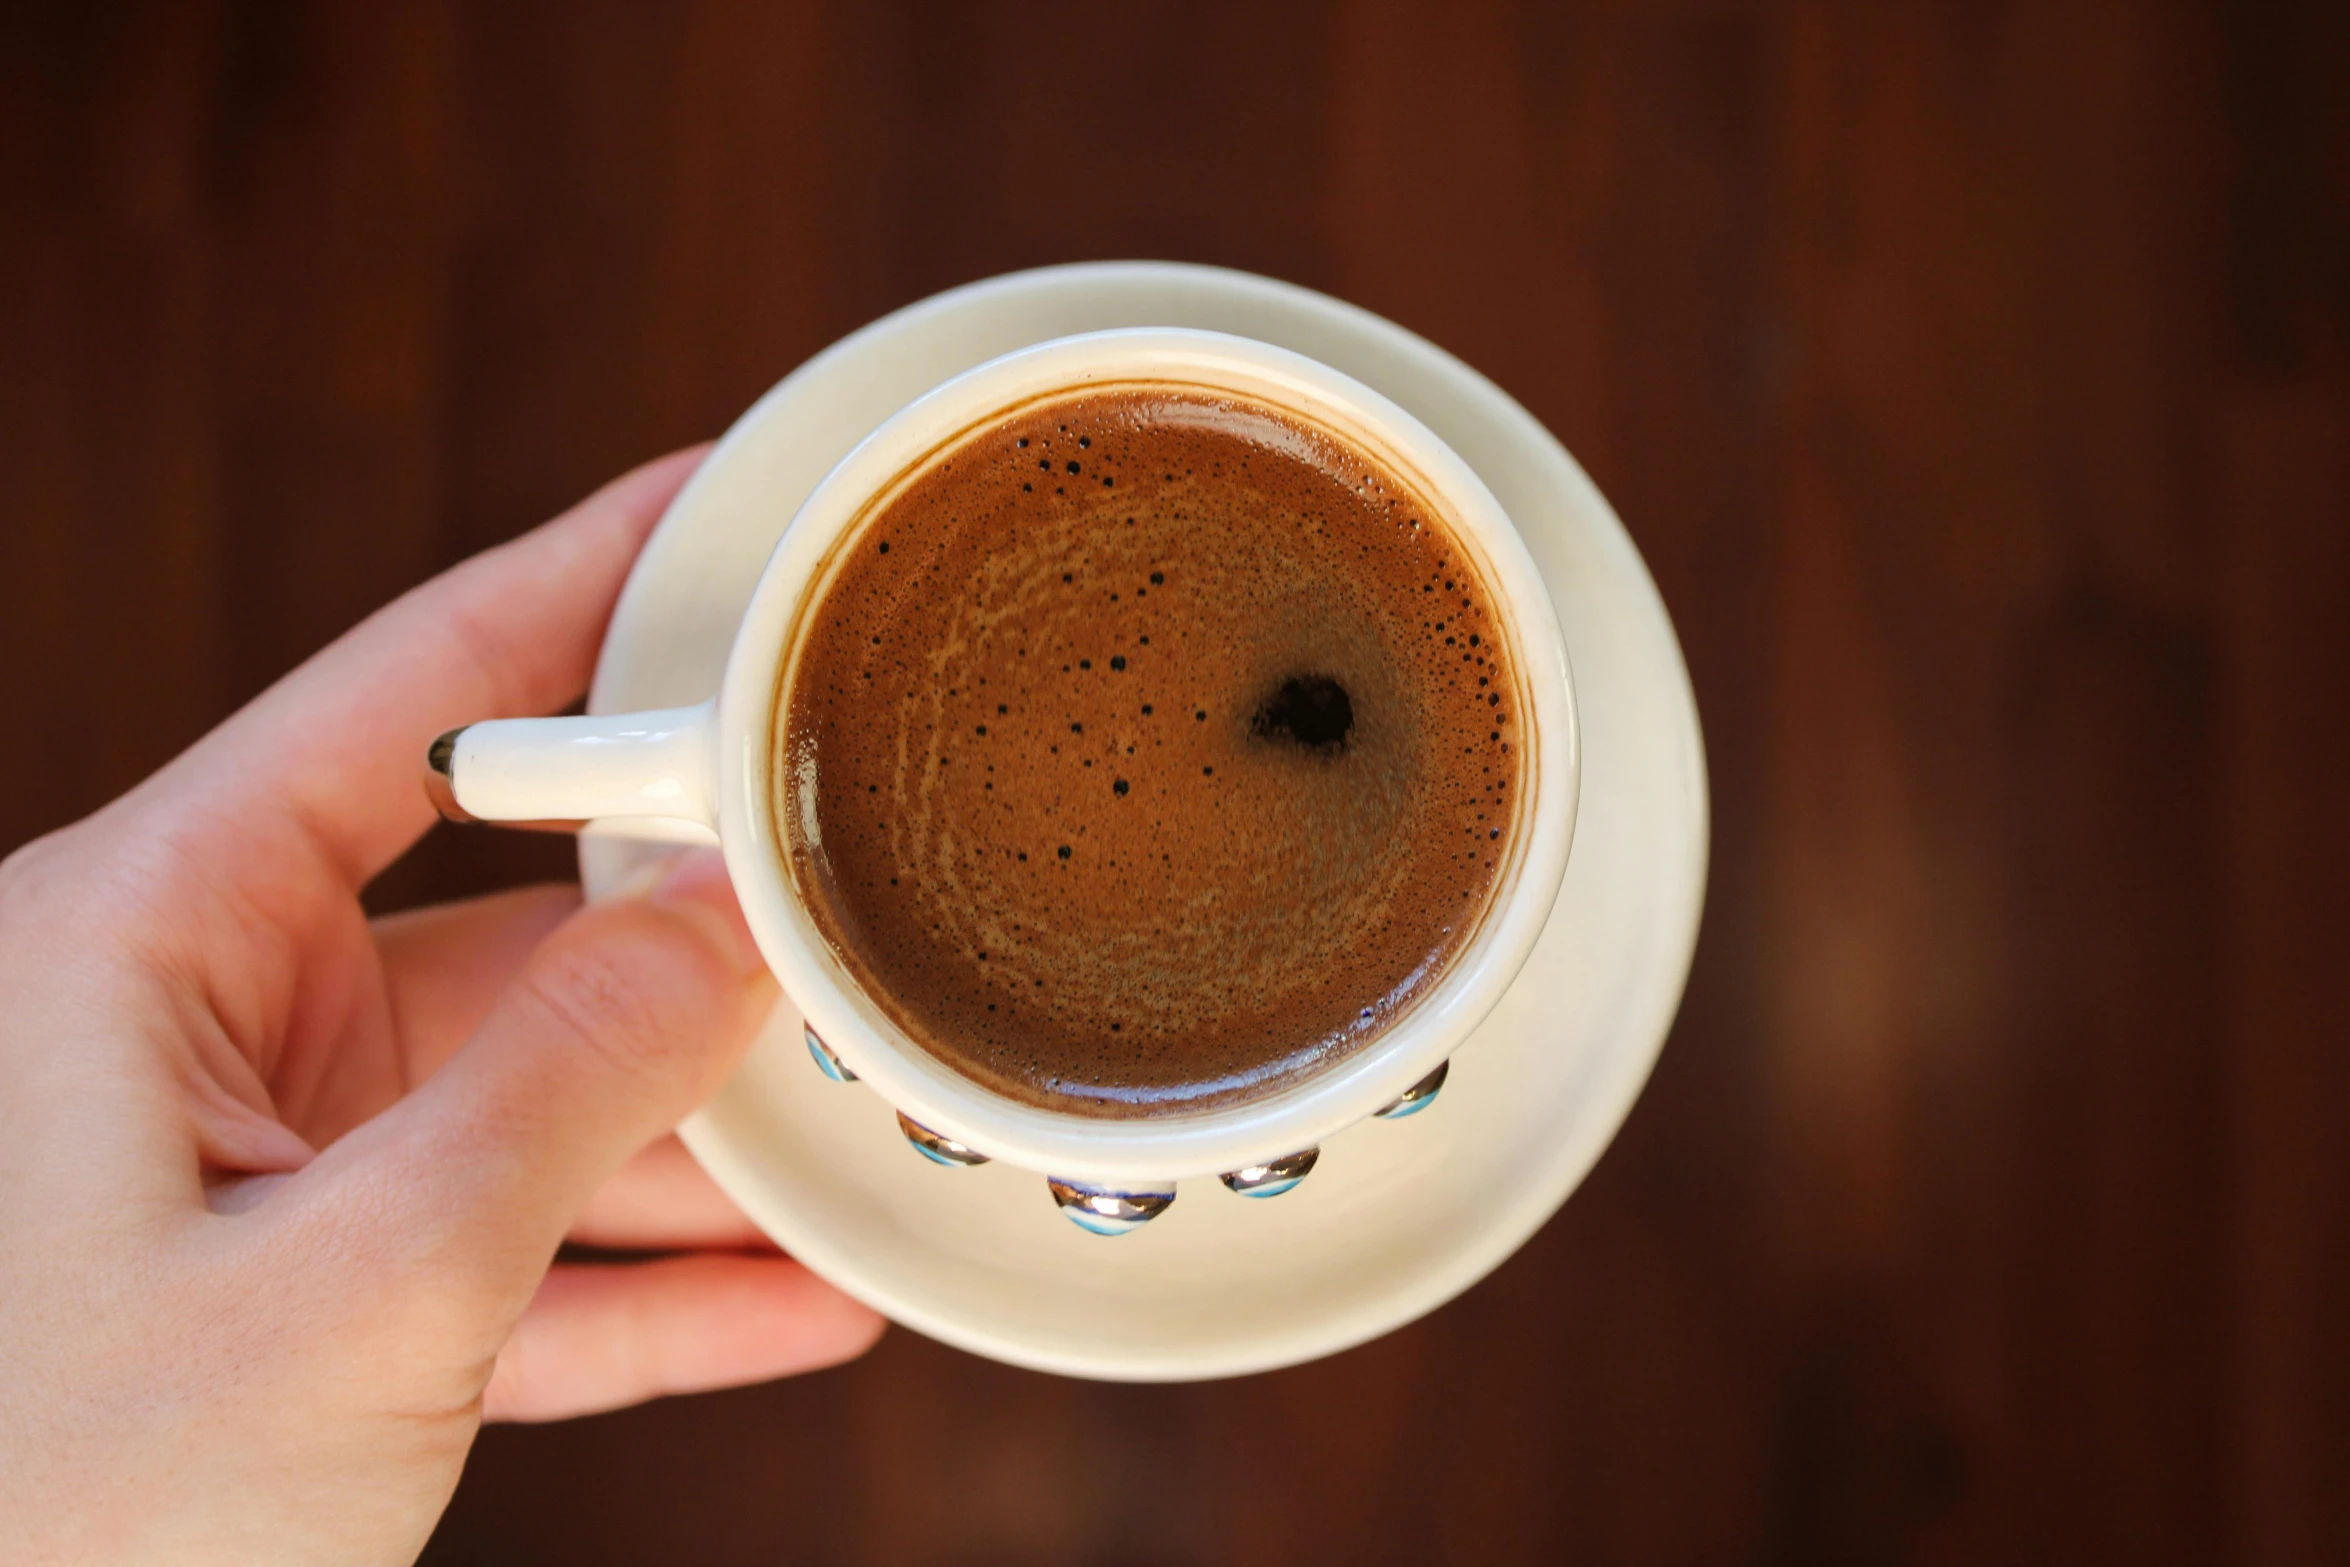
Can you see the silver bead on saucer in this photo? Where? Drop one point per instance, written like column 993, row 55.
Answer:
column 1273, row 1177
column 826, row 1062
column 935, row 1147
column 1109, row 1210
column 1419, row 1096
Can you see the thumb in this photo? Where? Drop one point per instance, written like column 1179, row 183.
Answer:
column 628, row 1015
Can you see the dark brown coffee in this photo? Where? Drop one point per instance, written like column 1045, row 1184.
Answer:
column 1150, row 750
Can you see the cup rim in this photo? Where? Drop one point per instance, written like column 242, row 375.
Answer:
column 1161, row 1148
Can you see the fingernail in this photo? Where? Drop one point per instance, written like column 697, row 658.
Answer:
column 696, row 884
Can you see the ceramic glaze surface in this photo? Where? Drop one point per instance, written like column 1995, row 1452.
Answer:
column 1398, row 1217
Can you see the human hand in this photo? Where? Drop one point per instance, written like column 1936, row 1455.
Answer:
column 280, row 1185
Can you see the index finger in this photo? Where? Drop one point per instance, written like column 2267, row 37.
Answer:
column 327, row 761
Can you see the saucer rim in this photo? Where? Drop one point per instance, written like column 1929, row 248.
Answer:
column 1501, row 1228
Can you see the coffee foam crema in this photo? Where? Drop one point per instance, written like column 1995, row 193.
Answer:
column 1149, row 749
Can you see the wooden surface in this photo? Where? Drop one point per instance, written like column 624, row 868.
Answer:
column 1975, row 377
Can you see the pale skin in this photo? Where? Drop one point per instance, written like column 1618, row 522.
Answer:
column 281, row 1186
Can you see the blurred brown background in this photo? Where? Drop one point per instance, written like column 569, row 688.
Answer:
column 1974, row 375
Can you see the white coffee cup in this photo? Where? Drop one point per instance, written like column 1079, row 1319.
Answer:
column 683, row 773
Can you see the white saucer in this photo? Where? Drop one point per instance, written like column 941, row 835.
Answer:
column 1399, row 1216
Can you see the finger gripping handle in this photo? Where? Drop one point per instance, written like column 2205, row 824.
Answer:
column 598, row 767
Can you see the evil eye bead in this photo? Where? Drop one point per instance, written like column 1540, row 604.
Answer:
column 1419, row 1096
column 1273, row 1177
column 1109, row 1210
column 937, row 1148
column 826, row 1062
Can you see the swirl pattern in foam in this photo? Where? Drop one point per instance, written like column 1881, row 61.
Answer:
column 1149, row 750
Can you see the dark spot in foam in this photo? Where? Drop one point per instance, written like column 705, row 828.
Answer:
column 1313, row 712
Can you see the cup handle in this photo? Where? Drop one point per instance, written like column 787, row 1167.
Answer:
column 634, row 775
